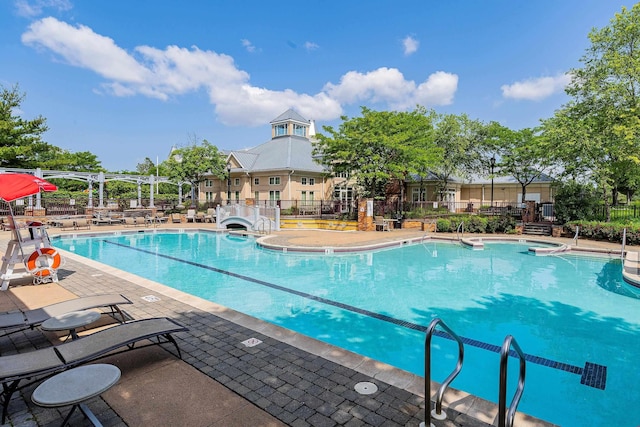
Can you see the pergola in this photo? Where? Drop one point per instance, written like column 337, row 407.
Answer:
column 91, row 178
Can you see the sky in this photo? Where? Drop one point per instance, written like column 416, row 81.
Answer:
column 129, row 80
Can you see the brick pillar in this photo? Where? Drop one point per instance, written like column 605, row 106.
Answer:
column 365, row 215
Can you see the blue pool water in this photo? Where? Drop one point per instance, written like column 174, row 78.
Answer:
column 574, row 317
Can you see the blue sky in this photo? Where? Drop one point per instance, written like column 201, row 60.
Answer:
column 130, row 79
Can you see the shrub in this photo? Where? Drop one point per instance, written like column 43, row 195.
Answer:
column 443, row 225
column 574, row 201
column 611, row 232
column 476, row 224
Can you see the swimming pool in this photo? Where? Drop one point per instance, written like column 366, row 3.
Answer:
column 573, row 315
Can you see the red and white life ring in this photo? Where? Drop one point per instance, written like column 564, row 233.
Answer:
column 43, row 262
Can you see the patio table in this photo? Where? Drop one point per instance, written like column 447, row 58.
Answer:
column 75, row 386
column 70, row 321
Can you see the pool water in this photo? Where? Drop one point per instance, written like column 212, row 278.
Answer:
column 573, row 316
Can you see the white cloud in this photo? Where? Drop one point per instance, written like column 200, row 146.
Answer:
column 248, row 45
column 410, row 45
column 536, row 89
column 81, row 47
column 389, row 85
column 310, row 46
column 31, row 8
column 174, row 70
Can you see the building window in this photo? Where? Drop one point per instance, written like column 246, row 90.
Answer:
column 280, row 130
column 274, row 180
column 256, row 195
column 237, row 194
column 303, row 180
column 209, row 196
column 256, row 181
column 208, row 183
column 312, row 181
column 274, row 195
column 299, row 130
column 236, row 181
column 303, row 196
column 416, row 196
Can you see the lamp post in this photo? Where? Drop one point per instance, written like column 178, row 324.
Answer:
column 493, row 165
column 228, row 183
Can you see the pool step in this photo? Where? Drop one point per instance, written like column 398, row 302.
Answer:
column 537, row 229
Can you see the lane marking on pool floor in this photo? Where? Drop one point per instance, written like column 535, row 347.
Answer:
column 591, row 375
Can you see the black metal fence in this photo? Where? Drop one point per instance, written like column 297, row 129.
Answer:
column 618, row 213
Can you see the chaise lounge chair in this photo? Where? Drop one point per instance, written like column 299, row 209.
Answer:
column 191, row 215
column 25, row 319
column 46, row 362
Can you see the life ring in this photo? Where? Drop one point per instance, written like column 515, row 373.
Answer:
column 51, row 264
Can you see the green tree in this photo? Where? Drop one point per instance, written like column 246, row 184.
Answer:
column 521, row 154
column 58, row 159
column 194, row 163
column 599, row 128
column 147, row 167
column 575, row 201
column 377, row 147
column 463, row 144
column 21, row 141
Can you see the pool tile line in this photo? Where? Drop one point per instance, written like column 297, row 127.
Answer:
column 592, row 375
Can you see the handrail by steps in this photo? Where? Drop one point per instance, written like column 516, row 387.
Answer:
column 506, row 420
column 437, row 412
column 460, row 226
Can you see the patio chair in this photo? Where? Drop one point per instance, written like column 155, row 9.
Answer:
column 191, row 215
column 66, row 224
column 160, row 218
column 132, row 221
column 176, row 218
column 40, row 364
column 82, row 223
column 380, row 223
column 20, row 320
column 210, row 216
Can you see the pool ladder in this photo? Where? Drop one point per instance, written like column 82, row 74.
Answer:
column 262, row 221
column 505, row 418
column 460, row 231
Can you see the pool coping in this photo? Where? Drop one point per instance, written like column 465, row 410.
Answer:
column 455, row 400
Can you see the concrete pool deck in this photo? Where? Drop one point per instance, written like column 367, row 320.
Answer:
column 288, row 379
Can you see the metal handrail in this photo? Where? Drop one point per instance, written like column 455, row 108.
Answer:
column 575, row 238
column 262, row 220
column 437, row 412
column 506, row 420
column 460, row 226
column 624, row 242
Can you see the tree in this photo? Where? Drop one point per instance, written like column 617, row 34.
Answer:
column 20, row 140
column 377, row 147
column 463, row 143
column 194, row 163
column 600, row 127
column 58, row 159
column 147, row 167
column 521, row 154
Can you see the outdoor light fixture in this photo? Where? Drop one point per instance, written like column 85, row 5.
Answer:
column 228, row 183
column 493, row 165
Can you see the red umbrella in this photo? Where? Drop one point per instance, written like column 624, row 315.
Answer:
column 17, row 185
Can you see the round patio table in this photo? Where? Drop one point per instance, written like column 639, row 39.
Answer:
column 74, row 386
column 70, row 321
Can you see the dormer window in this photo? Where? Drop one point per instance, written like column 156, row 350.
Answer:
column 299, row 130
column 281, row 130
